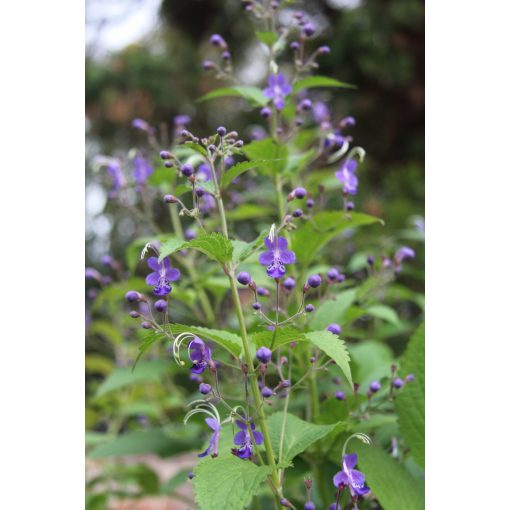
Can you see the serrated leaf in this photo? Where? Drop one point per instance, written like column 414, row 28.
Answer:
column 147, row 371
column 334, row 310
column 242, row 249
column 143, row 441
column 335, row 348
column 215, row 245
column 274, row 153
column 170, row 246
column 390, row 482
column 410, row 401
column 284, row 335
column 298, row 436
column 313, row 235
column 320, row 81
column 227, row 482
column 230, row 341
column 242, row 167
column 253, row 95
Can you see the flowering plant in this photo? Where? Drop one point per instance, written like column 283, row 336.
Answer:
column 257, row 318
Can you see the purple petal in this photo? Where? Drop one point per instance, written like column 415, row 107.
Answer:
column 276, row 271
column 198, row 369
column 152, row 279
column 269, row 244
column 350, row 460
column 340, row 477
column 241, row 425
column 287, row 257
column 259, row 438
column 213, row 424
column 282, row 243
column 266, row 258
column 173, row 274
column 153, row 263
column 358, row 478
column 239, row 438
column 279, row 103
column 269, row 93
column 245, row 453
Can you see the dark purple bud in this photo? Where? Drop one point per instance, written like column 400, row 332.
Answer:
column 315, row 281
column 347, row 122
column 285, row 502
column 264, row 355
column 226, row 55
column 370, row 260
column 190, row 234
column 334, row 328
column 221, row 131
column 309, row 505
column 204, row 388
column 256, row 306
column 160, row 305
column 212, row 148
column 191, row 475
column 340, row 395
column 266, row 392
column 132, row 296
column 107, row 260
column 309, row 308
column 310, row 203
column 299, row 122
column 350, row 206
column 266, row 112
column 146, row 325
column 170, row 199
column 261, row 291
column 168, row 164
column 305, row 105
column 324, row 50
column 187, row 169
column 207, row 65
column 397, row 383
column 285, row 383
column 134, row 314
column 299, row 192
column 200, row 192
column 375, row 386
column 333, row 274
column 297, row 213
column 409, row 378
column 244, row 278
column 294, row 45
column 164, row 155
column 195, row 377
column 309, row 29
column 289, row 283
column 218, row 41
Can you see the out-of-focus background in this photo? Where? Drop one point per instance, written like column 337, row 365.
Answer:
column 143, row 59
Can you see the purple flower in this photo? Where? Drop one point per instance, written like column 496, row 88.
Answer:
column 207, row 203
column 403, row 254
column 199, row 354
column 350, row 477
column 92, row 274
column 277, row 88
column 340, row 395
column 321, row 113
column 118, row 180
column 215, row 426
column 141, row 171
column 409, row 378
column 161, row 276
column 181, row 120
column 289, row 283
column 347, row 176
column 264, row 355
column 140, row 124
column 397, row 383
column 375, row 386
column 203, row 173
column 243, row 439
column 276, row 256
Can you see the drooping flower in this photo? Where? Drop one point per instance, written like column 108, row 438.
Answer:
column 276, row 256
column 161, row 276
column 243, row 439
column 199, row 355
column 215, row 426
column 277, row 88
column 142, row 169
column 347, row 176
column 350, row 477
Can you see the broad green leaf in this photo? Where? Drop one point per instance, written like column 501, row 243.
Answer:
column 298, row 162
column 227, row 482
column 371, row 360
column 143, row 441
column 333, row 311
column 242, row 249
column 298, row 435
column 284, row 335
column 196, row 147
column 147, row 371
column 268, row 38
column 216, row 246
column 230, row 341
column 390, row 482
column 253, row 95
column 335, row 348
column 248, row 212
column 410, row 401
column 320, row 81
column 273, row 153
column 384, row 312
column 313, row 235
column 240, row 168
column 170, row 246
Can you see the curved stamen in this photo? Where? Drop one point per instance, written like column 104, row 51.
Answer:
column 177, row 346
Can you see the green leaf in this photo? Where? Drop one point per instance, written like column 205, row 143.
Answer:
column 284, row 335
column 335, row 348
column 240, row 168
column 242, row 249
column 146, row 371
column 230, row 341
column 170, row 246
column 385, row 313
column 313, row 235
column 274, row 154
column 227, row 482
column 195, row 147
column 320, row 81
column 371, row 360
column 143, row 441
column 410, row 401
column 390, row 482
column 253, row 95
column 268, row 38
column 333, row 311
column 298, row 436
column 215, row 245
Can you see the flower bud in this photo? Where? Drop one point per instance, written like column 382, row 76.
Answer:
column 309, row 506
column 160, row 305
column 266, row 392
column 299, row 192
column 256, row 306
column 170, row 199
column 310, row 203
column 226, row 55
column 146, row 325
column 334, row 328
column 305, row 105
column 314, row 281
column 264, row 355
column 285, row 383
column 309, row 308
column 333, row 274
column 191, row 475
column 294, row 45
column 134, row 314
column 340, row 395
column 222, row 131
column 164, row 155
column 409, row 378
column 133, row 297
column 309, row 29
column 218, row 41
column 323, row 50
column 168, row 164
column 266, row 112
column 397, row 383
column 285, row 502
column 375, row 386
column 187, row 169
column 244, row 278
column 297, row 213
column 370, row 260
column 200, row 192
column 289, row 283
column 261, row 291
column 204, row 388
column 207, row 65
